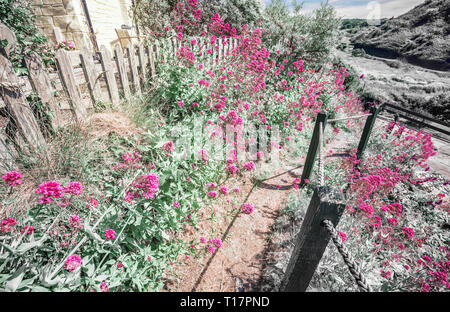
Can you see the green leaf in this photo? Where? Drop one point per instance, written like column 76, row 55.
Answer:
column 14, row 281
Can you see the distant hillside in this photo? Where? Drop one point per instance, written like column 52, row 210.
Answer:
column 420, row 36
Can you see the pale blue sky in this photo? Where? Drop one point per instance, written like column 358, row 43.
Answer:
column 364, row 8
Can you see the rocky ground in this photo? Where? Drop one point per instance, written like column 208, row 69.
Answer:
column 420, row 36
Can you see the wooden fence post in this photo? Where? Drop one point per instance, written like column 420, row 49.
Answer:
column 41, row 84
column 327, row 203
column 370, row 121
column 142, row 64
column 157, row 54
column 16, row 103
column 151, row 58
column 68, row 81
column 312, row 152
column 107, row 67
column 91, row 76
column 131, row 52
column 123, row 73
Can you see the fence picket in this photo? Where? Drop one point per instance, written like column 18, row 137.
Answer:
column 108, row 70
column 41, row 84
column 70, row 86
column 92, row 78
column 142, row 64
column 17, row 105
column 123, row 75
column 131, row 53
column 151, row 58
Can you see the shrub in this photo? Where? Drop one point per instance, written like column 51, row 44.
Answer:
column 18, row 16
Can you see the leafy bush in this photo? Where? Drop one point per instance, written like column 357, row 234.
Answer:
column 299, row 35
column 19, row 17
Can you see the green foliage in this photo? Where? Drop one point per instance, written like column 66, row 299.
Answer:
column 300, row 35
column 18, row 16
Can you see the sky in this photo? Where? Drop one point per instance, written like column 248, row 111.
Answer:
column 371, row 9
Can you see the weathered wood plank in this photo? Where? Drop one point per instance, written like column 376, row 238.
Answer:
column 123, row 74
column 41, row 84
column 370, row 121
column 10, row 37
column 142, row 64
column 17, row 105
column 91, row 76
column 131, row 53
column 327, row 203
column 70, row 86
column 313, row 146
column 151, row 58
column 108, row 70
column 157, row 51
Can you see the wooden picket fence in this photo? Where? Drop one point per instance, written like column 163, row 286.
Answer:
column 82, row 79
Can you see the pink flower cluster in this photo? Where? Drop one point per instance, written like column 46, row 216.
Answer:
column 7, row 224
column 110, row 234
column 247, row 208
column 73, row 262
column 130, row 160
column 145, row 186
column 13, row 178
column 211, row 244
column 75, row 222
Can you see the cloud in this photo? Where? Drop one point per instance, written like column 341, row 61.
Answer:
column 365, row 8
column 376, row 9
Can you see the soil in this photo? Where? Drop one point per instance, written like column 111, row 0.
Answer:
column 238, row 264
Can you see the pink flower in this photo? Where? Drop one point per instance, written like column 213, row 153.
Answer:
column 202, row 240
column 217, row 242
column 247, row 208
column 203, row 155
column 212, row 194
column 392, row 221
column 110, row 234
column 409, row 232
column 75, row 222
column 259, row 155
column 92, row 202
column 211, row 249
column 29, row 229
column 181, row 104
column 385, row 274
column 5, row 225
column 249, row 166
column 343, row 236
column 50, row 190
column 223, row 190
column 74, row 188
column 73, row 262
column 13, row 178
column 104, row 287
column 147, row 186
column 176, row 204
column 168, row 147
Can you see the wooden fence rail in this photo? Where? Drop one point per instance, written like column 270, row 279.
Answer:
column 80, row 81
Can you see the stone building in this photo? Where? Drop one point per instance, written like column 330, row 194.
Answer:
column 88, row 23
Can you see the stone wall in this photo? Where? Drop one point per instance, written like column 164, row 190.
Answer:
column 70, row 18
